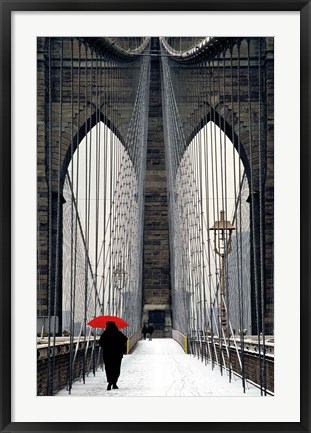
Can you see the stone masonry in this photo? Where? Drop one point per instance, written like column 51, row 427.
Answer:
column 156, row 273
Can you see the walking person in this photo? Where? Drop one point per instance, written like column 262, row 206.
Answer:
column 113, row 343
column 150, row 332
column 144, row 331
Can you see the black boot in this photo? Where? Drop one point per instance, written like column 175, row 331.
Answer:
column 115, row 386
column 109, row 387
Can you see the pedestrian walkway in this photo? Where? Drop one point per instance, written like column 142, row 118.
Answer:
column 161, row 368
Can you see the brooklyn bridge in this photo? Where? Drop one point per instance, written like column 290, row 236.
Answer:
column 155, row 203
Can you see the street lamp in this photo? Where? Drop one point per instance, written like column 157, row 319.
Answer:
column 223, row 248
column 119, row 279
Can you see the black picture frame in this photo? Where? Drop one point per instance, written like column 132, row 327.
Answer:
column 9, row 6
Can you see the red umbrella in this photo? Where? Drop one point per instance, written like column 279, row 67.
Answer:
column 101, row 322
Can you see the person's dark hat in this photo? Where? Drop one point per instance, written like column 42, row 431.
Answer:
column 111, row 326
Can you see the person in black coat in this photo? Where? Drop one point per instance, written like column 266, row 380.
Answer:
column 113, row 343
column 144, row 331
column 150, row 332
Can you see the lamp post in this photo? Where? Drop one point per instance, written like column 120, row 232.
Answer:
column 119, row 281
column 222, row 248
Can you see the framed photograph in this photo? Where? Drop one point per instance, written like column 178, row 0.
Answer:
column 153, row 276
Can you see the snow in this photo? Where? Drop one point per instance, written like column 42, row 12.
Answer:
column 161, row 368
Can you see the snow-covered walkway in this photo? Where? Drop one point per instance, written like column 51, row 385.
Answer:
column 161, row 368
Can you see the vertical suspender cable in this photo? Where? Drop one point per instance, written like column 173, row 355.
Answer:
column 110, row 194
column 214, row 198
column 202, row 276
column 50, row 219
column 85, row 207
column 261, row 217
column 253, row 201
column 72, row 224
column 58, row 221
column 88, row 202
column 207, row 189
column 226, row 240
column 205, row 242
column 207, row 179
column 103, row 143
column 239, row 262
column 114, row 197
column 76, row 280
column 241, row 304
column 97, row 183
column 217, row 241
column 221, row 199
column 205, row 342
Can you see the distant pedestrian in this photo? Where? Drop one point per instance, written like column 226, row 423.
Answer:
column 113, row 343
column 150, row 332
column 144, row 331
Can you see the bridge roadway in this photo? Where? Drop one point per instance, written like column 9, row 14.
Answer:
column 161, row 368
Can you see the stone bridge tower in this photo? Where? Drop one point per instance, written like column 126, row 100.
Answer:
column 156, row 271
